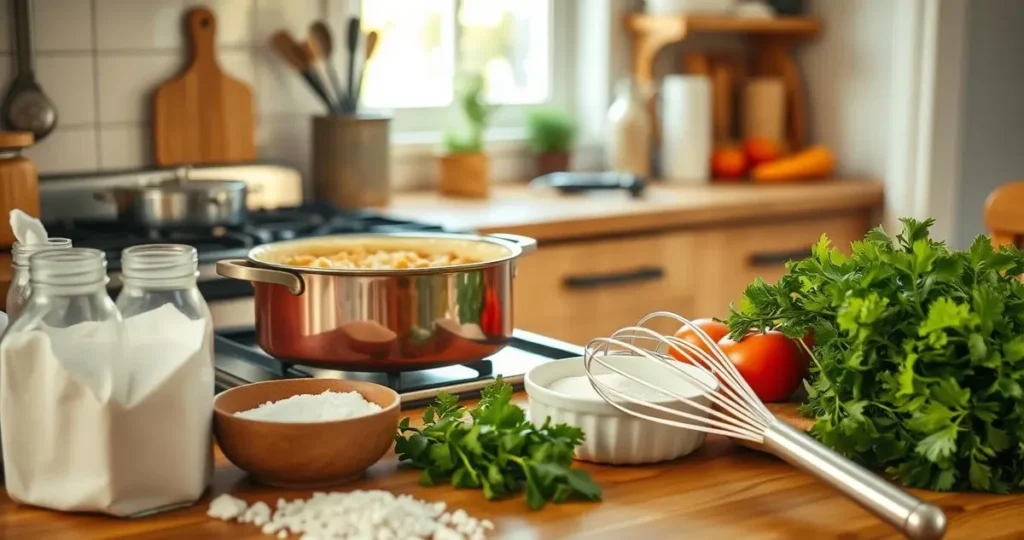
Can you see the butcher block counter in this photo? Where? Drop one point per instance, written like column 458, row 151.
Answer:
column 690, row 250
column 721, row 491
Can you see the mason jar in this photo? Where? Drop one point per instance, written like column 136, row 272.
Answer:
column 20, row 287
column 158, row 274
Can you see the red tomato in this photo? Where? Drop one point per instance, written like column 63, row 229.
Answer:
column 729, row 162
column 715, row 330
column 761, row 150
column 771, row 363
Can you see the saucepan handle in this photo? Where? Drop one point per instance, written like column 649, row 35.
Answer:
column 241, row 269
column 525, row 243
column 910, row 515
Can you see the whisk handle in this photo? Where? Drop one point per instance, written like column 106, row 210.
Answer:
column 912, row 516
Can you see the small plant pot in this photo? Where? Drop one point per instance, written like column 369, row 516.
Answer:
column 464, row 175
column 550, row 162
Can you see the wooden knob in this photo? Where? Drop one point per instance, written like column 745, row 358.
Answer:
column 16, row 139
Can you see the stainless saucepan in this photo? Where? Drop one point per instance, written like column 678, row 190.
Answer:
column 177, row 203
column 384, row 319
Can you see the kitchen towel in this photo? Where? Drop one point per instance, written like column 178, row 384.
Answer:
column 112, row 417
column 686, row 129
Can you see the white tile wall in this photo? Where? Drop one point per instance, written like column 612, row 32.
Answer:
column 100, row 60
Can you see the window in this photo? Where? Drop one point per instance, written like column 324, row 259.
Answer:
column 519, row 46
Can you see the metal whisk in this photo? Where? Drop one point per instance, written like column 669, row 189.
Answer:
column 736, row 412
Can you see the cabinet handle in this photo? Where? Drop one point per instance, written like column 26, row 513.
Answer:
column 646, row 273
column 778, row 257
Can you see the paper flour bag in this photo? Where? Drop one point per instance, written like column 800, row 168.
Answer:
column 111, row 417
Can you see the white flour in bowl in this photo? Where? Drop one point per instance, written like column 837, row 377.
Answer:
column 325, row 407
column 580, row 387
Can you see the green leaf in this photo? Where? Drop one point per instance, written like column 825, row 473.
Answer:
column 934, row 418
column 981, row 475
column 939, row 445
column 1013, row 350
column 979, row 351
column 945, row 313
column 996, row 438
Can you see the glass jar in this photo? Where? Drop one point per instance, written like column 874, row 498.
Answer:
column 69, row 286
column 158, row 274
column 20, row 287
column 629, row 131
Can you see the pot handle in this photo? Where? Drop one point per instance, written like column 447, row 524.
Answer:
column 241, row 269
column 525, row 243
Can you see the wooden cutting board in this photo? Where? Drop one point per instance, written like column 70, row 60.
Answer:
column 203, row 115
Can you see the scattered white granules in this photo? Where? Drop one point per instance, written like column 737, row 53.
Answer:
column 354, row 515
column 323, row 407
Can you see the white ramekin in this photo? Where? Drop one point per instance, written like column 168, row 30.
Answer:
column 613, row 436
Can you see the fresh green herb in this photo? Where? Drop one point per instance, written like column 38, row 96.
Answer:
column 476, row 113
column 500, row 451
column 918, row 354
column 550, row 130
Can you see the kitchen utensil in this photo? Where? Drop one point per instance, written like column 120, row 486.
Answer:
column 178, row 203
column 351, row 160
column 314, row 59
column 686, row 143
column 612, row 436
column 384, row 320
column 203, row 115
column 19, row 182
column 739, row 414
column 322, row 39
column 309, row 454
column 764, row 109
column 300, row 60
column 578, row 182
column 352, row 45
column 26, row 107
column 371, row 47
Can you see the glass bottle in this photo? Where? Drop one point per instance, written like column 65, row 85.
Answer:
column 17, row 294
column 158, row 274
column 629, row 131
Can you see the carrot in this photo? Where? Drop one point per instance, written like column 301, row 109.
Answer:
column 814, row 162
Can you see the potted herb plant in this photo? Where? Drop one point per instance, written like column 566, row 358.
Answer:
column 465, row 168
column 552, row 134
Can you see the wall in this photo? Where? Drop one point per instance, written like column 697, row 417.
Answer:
column 99, row 61
column 993, row 111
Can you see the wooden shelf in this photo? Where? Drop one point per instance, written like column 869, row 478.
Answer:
column 680, row 25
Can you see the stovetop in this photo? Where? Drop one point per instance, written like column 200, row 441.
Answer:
column 239, row 360
column 263, row 226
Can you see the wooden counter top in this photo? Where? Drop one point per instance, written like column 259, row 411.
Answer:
column 721, row 491
column 547, row 215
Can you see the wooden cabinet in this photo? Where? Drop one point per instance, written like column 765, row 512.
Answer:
column 579, row 290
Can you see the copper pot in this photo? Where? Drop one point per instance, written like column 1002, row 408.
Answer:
column 386, row 319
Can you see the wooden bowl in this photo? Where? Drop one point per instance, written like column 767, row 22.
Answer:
column 309, row 454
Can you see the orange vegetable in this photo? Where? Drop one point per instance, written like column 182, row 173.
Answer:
column 814, row 162
column 728, row 162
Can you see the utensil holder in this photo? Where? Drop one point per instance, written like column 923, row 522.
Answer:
column 351, row 156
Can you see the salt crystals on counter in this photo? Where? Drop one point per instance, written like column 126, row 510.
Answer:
column 356, row 514
column 324, row 407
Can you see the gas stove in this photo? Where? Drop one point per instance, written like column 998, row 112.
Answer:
column 239, row 360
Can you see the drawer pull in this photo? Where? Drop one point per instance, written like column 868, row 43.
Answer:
column 778, row 257
column 646, row 273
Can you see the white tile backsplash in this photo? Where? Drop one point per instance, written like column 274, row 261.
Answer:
column 139, row 24
column 61, row 25
column 127, row 82
column 67, row 149
column 125, row 147
column 101, row 60
column 76, row 103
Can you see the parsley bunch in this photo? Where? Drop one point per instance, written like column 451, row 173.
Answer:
column 499, row 451
column 919, row 354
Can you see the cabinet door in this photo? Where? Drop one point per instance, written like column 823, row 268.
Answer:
column 582, row 290
column 733, row 256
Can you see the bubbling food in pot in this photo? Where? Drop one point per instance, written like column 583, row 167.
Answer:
column 381, row 259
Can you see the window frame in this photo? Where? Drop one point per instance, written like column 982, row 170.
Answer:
column 421, row 125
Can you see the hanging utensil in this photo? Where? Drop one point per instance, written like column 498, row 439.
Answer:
column 300, row 60
column 352, row 44
column 371, row 46
column 26, row 107
column 321, row 38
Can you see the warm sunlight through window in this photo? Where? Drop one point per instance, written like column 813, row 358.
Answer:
column 424, row 44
